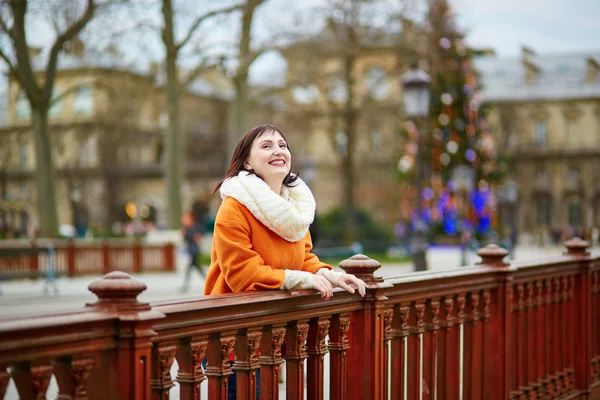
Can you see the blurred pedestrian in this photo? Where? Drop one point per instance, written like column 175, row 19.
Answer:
column 192, row 235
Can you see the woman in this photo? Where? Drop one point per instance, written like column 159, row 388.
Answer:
column 261, row 239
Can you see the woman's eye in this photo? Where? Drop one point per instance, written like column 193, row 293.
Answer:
column 283, row 146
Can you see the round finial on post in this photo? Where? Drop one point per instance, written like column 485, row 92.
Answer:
column 493, row 255
column 577, row 247
column 118, row 290
column 362, row 267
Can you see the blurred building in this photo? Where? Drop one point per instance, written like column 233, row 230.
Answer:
column 317, row 90
column 107, row 126
column 545, row 110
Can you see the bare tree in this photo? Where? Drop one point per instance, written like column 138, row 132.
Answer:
column 17, row 58
column 331, row 63
column 173, row 91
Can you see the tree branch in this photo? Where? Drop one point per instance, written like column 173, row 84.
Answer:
column 73, row 30
column 196, row 72
column 203, row 18
column 4, row 27
column 9, row 64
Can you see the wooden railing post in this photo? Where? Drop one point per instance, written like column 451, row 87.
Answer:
column 130, row 373
column 497, row 325
column 338, row 346
column 578, row 249
column 106, row 267
column 71, row 267
column 169, row 256
column 34, row 259
column 366, row 358
column 137, row 256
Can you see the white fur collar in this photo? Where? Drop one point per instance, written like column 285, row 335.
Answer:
column 288, row 214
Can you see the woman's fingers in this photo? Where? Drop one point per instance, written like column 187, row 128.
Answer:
column 345, row 281
column 323, row 286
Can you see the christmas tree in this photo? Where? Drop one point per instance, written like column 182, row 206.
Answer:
column 458, row 151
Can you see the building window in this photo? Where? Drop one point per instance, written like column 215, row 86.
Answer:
column 338, row 91
column 23, row 156
column 541, row 174
column 305, row 94
column 87, row 153
column 543, row 211
column 541, row 134
column 341, row 143
column 84, row 100
column 376, row 140
column 377, row 83
column 573, row 174
column 23, row 108
column 575, row 213
column 56, row 107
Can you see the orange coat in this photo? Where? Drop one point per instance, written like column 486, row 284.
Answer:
column 246, row 255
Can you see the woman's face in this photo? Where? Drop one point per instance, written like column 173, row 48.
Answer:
column 270, row 157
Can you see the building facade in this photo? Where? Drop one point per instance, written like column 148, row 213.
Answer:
column 316, row 97
column 545, row 111
column 107, row 125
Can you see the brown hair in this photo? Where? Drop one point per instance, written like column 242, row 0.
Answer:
column 242, row 152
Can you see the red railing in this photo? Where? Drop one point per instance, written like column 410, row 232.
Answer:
column 493, row 331
column 88, row 257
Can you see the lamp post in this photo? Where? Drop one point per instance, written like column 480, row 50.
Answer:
column 415, row 84
column 510, row 194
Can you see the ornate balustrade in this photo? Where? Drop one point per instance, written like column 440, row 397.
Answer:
column 86, row 257
column 494, row 331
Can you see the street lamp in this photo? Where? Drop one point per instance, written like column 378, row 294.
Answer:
column 415, row 84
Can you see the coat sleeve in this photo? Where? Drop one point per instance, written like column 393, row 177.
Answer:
column 311, row 262
column 242, row 268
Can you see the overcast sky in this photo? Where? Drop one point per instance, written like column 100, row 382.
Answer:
column 547, row 26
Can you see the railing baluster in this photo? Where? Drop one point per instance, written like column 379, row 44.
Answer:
column 270, row 360
column 557, row 337
column 31, row 382
column 190, row 375
column 572, row 330
column 532, row 331
column 338, row 346
column 564, row 335
column 472, row 348
column 417, row 314
column 432, row 325
column 72, row 376
column 451, row 350
column 540, row 339
column 246, row 346
column 595, row 342
column 388, row 317
column 220, row 347
column 549, row 338
column 295, row 354
column 400, row 330
column 316, row 350
column 4, row 380
column 162, row 360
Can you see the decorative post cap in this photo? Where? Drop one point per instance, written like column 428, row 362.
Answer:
column 118, row 290
column 362, row 267
column 493, row 255
column 577, row 247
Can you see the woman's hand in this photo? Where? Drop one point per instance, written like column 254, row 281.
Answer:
column 345, row 280
column 322, row 285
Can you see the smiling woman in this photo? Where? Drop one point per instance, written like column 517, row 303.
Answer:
column 261, row 238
